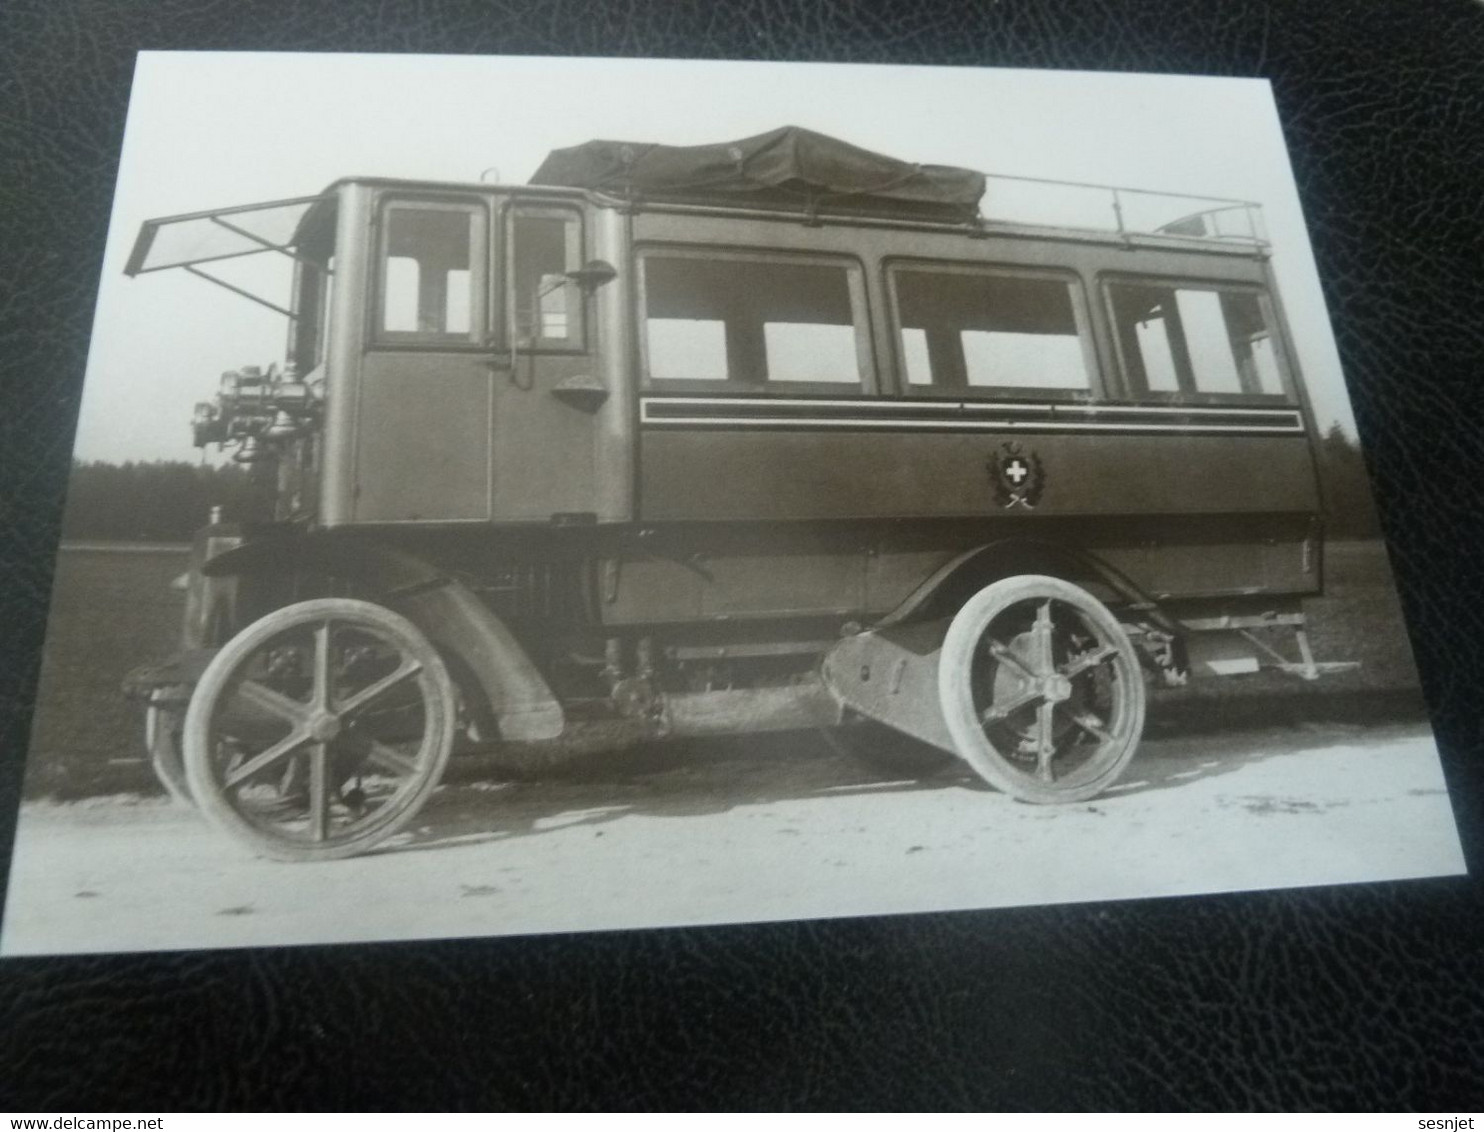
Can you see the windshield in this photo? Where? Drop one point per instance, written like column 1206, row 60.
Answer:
column 302, row 229
column 224, row 233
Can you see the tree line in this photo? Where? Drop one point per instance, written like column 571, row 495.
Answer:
column 1350, row 508
column 155, row 501
column 166, row 501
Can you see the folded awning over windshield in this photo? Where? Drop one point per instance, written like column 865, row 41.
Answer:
column 224, row 233
column 784, row 167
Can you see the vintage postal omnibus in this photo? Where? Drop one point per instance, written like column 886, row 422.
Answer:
column 763, row 435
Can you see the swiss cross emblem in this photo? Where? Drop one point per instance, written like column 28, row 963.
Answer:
column 1018, row 476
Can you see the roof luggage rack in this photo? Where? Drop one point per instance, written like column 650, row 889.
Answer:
column 800, row 171
column 787, row 168
column 1043, row 202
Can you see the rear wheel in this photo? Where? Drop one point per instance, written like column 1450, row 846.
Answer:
column 1041, row 690
column 320, row 730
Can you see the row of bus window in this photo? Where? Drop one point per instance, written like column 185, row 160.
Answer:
column 748, row 323
column 754, row 322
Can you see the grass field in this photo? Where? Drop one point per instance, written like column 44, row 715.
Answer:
column 114, row 608
column 1359, row 618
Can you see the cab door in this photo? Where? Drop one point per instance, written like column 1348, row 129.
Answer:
column 424, row 411
column 551, row 404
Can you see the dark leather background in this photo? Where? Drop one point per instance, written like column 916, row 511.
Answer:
column 1368, row 996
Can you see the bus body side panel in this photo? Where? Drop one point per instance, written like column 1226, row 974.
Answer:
column 786, row 506
column 729, row 574
column 755, row 473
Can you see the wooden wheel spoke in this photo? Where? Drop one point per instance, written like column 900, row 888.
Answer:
column 1041, row 638
column 999, row 710
column 408, row 669
column 1089, row 660
column 285, row 746
column 392, row 760
column 1045, row 741
column 323, row 694
column 1093, row 726
column 319, row 793
column 1005, row 656
column 266, row 699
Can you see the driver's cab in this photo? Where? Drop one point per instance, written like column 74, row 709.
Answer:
column 469, row 357
column 443, row 359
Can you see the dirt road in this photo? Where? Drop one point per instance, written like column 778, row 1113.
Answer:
column 773, row 829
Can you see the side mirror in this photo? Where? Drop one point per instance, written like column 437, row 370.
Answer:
column 593, row 274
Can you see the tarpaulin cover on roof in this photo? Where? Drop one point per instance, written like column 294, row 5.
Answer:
column 786, row 166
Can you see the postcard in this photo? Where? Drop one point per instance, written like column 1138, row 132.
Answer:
column 530, row 495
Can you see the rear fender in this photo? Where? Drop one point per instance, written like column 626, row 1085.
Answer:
column 956, row 581
column 889, row 673
column 449, row 614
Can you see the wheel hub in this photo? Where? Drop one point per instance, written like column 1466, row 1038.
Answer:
column 324, row 726
column 1056, row 688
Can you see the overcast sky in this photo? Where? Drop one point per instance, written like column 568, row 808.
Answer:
column 210, row 130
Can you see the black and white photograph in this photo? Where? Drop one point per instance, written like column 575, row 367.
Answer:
column 533, row 495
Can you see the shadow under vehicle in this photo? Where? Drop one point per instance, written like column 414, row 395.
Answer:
column 759, row 436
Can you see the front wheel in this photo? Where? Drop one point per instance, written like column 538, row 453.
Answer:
column 319, row 730
column 1041, row 690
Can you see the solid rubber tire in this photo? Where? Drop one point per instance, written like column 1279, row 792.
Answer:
column 197, row 741
column 956, row 696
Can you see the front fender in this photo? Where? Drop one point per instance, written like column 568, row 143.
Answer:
column 517, row 696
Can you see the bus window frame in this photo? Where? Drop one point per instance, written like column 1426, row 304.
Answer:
column 1097, row 385
column 1289, row 398
column 856, row 276
column 480, row 264
column 503, row 315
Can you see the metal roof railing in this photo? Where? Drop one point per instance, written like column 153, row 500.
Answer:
column 1121, row 209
